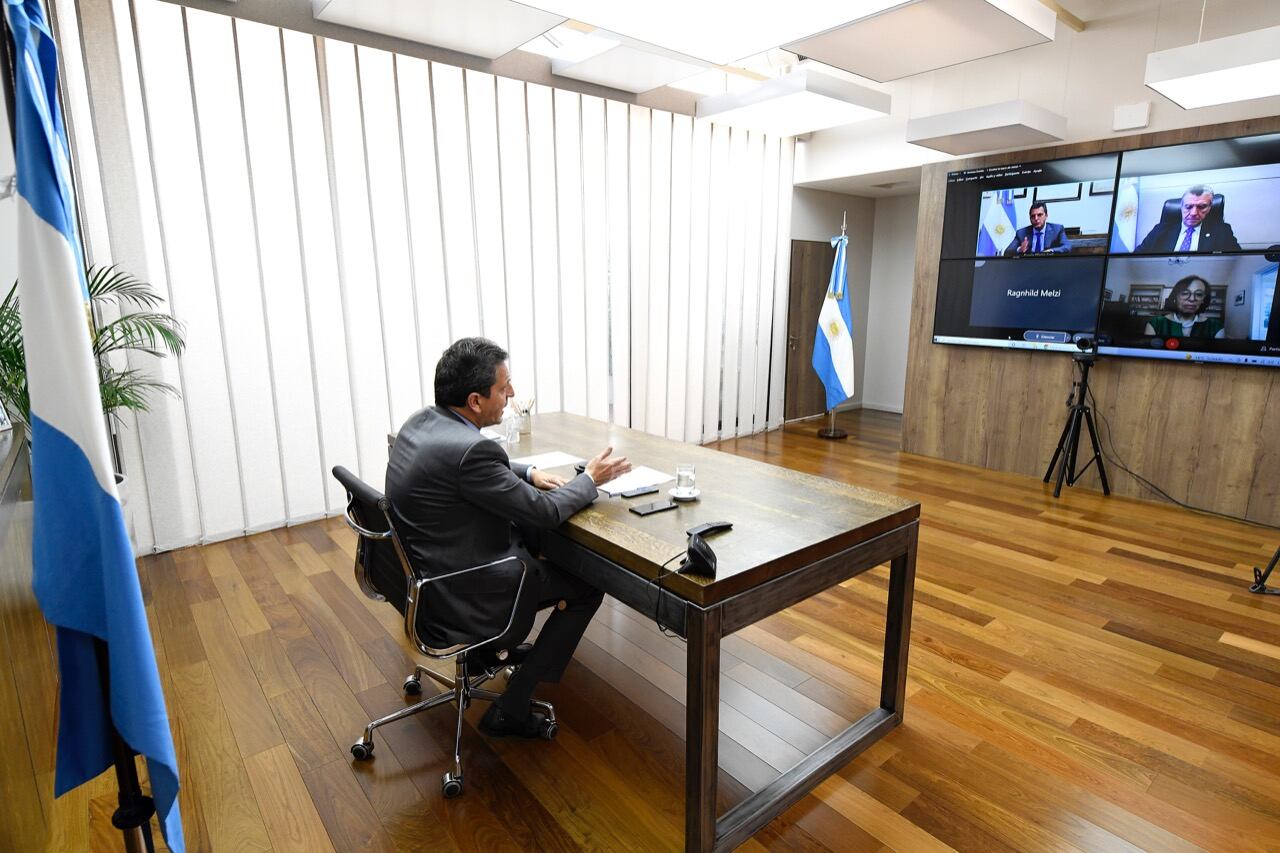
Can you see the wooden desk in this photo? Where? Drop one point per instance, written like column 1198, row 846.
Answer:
column 793, row 536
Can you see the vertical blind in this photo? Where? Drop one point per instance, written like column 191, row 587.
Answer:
column 325, row 218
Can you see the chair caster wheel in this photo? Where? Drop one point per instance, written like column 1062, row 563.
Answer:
column 550, row 730
column 412, row 686
column 362, row 751
column 451, row 786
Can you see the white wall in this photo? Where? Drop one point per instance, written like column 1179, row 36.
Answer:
column 893, row 259
column 1081, row 75
column 816, row 215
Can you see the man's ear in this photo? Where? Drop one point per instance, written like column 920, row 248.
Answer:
column 473, row 401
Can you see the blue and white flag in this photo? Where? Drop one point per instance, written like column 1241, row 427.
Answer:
column 997, row 228
column 84, row 575
column 833, row 343
column 1124, row 233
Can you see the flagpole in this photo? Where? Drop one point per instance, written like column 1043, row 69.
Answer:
column 830, row 431
column 6, row 71
column 133, row 816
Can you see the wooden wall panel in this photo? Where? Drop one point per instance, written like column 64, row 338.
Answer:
column 1200, row 432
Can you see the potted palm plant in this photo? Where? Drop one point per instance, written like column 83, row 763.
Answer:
column 138, row 326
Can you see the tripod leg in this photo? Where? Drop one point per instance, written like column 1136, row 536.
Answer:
column 1069, row 452
column 1057, row 451
column 1097, row 450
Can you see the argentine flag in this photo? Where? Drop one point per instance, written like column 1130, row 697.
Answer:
column 84, row 575
column 997, row 228
column 833, row 343
column 1124, row 233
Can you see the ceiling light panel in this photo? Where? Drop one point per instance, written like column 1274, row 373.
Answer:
column 796, row 103
column 569, row 44
column 484, row 28
column 629, row 68
column 716, row 31
column 1220, row 71
column 995, row 127
column 916, row 37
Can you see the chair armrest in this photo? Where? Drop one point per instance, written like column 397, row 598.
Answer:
column 415, row 590
column 364, row 531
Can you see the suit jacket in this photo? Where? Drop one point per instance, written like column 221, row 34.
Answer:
column 1165, row 238
column 457, row 499
column 1055, row 239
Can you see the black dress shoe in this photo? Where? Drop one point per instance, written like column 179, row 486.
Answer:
column 497, row 723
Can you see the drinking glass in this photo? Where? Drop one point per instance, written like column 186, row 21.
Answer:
column 686, row 478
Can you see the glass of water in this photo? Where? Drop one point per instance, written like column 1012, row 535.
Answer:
column 686, row 478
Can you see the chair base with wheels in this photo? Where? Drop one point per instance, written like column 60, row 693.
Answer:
column 385, row 573
column 461, row 689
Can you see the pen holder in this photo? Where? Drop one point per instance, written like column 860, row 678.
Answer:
column 523, row 424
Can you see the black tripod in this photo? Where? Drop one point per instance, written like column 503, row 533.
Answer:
column 1260, row 577
column 1069, row 442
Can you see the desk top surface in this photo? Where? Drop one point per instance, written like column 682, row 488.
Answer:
column 782, row 519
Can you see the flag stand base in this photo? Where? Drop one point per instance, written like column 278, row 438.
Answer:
column 830, row 431
column 133, row 816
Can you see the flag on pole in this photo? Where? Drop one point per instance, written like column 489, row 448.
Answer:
column 997, row 228
column 84, row 575
column 833, row 343
column 1124, row 234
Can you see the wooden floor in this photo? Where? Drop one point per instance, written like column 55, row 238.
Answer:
column 1087, row 673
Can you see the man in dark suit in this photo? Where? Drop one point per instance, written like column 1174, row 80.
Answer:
column 1040, row 236
column 1191, row 233
column 460, row 502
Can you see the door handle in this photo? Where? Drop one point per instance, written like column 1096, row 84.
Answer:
column 792, row 340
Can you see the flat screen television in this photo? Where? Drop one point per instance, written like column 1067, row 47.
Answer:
column 1167, row 252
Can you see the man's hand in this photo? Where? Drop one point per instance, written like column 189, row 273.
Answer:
column 602, row 469
column 546, row 481
column 1026, row 244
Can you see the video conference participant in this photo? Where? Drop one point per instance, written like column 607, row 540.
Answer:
column 1191, row 233
column 1182, row 317
column 1040, row 236
column 461, row 502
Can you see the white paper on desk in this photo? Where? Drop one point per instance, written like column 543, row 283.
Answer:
column 553, row 459
column 494, row 434
column 636, row 478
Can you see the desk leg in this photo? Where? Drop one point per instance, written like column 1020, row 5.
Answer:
column 701, row 728
column 897, row 629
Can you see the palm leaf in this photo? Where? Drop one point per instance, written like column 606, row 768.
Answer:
column 145, row 331
column 111, row 285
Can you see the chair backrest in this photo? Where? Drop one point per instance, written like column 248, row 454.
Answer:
column 379, row 568
column 1172, row 213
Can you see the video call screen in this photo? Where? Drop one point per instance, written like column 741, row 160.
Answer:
column 989, row 210
column 1164, row 252
column 1217, row 308
column 1203, row 198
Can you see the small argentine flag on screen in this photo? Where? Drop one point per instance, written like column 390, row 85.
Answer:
column 997, row 228
column 1124, row 234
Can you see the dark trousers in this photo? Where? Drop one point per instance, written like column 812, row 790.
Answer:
column 545, row 586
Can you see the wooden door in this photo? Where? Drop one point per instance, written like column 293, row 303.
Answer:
column 810, row 273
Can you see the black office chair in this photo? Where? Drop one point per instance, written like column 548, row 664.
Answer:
column 1171, row 215
column 385, row 572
